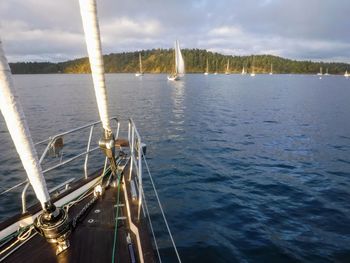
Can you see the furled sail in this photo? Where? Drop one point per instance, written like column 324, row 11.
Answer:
column 12, row 111
column 88, row 11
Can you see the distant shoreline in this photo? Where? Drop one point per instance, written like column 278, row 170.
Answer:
column 160, row 61
column 189, row 73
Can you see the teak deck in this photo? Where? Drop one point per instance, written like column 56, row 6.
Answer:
column 92, row 240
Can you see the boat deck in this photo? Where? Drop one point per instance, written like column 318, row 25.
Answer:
column 93, row 238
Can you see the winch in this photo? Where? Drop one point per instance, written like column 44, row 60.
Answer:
column 53, row 225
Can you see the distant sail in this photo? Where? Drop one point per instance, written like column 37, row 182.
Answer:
column 207, row 68
column 179, row 61
column 326, row 72
column 179, row 64
column 252, row 74
column 227, row 72
column 140, row 62
column 140, row 73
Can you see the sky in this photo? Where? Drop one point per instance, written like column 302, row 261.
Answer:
column 51, row 30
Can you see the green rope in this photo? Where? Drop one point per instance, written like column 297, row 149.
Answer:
column 116, row 222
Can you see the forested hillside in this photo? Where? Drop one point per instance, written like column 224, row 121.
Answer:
column 162, row 60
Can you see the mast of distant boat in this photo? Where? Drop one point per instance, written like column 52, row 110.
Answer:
column 140, row 63
column 327, row 74
column 227, row 72
column 176, row 59
column 140, row 73
column 271, row 70
column 243, row 71
column 207, row 69
column 252, row 74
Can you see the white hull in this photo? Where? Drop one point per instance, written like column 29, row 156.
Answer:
column 138, row 74
column 173, row 78
column 215, row 73
column 206, row 73
column 252, row 74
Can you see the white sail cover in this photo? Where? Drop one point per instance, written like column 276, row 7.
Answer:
column 179, row 61
column 88, row 12
column 16, row 123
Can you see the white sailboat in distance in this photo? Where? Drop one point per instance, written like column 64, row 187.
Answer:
column 140, row 73
column 271, row 70
column 227, row 72
column 252, row 74
column 326, row 74
column 207, row 68
column 320, row 73
column 179, row 64
column 243, row 71
column 346, row 74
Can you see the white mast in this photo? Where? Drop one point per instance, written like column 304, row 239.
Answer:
column 252, row 74
column 207, row 68
column 176, row 58
column 12, row 111
column 88, row 12
column 140, row 63
column 227, row 67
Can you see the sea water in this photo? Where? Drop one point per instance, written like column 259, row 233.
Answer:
column 247, row 169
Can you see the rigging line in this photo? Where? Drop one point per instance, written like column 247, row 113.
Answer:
column 116, row 222
column 20, row 238
column 151, row 225
column 161, row 208
column 86, row 193
column 13, row 187
column 80, row 216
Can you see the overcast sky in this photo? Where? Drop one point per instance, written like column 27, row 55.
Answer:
column 51, row 30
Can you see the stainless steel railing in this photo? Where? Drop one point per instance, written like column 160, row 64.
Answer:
column 135, row 159
column 50, row 142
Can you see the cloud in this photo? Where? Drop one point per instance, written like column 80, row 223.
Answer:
column 52, row 30
column 127, row 33
column 24, row 43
